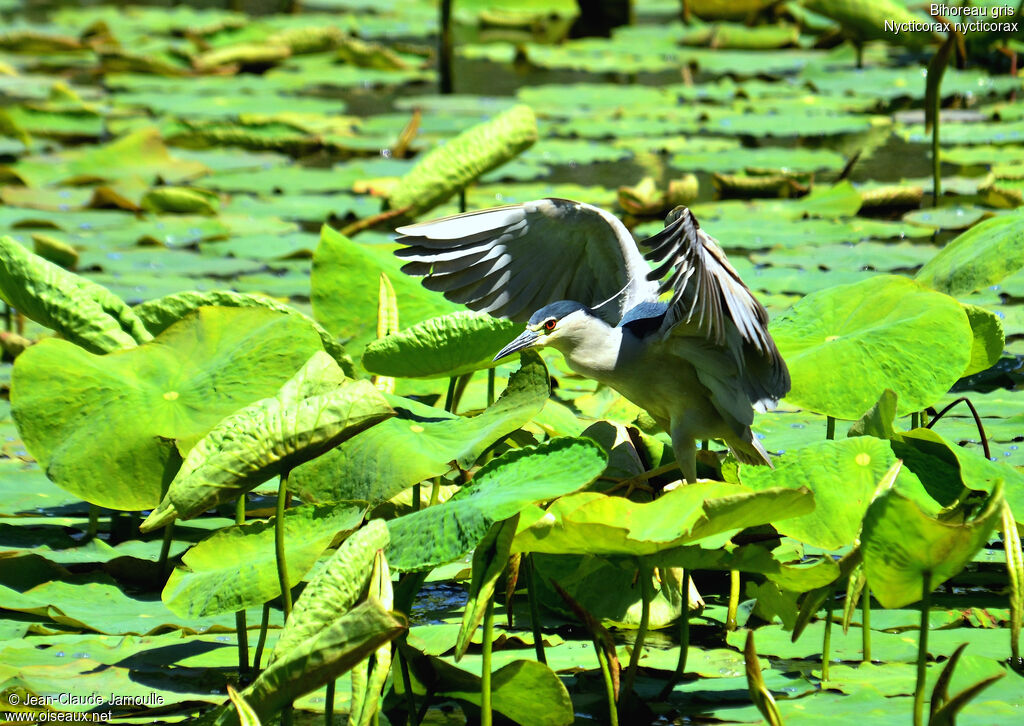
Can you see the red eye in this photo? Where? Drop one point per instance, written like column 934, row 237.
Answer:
column 549, row 324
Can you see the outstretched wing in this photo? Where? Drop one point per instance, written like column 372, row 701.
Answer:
column 709, row 294
column 511, row 261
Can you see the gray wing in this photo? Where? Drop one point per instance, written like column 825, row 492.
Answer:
column 708, row 294
column 511, row 261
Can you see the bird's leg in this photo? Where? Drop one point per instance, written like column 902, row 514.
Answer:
column 685, row 447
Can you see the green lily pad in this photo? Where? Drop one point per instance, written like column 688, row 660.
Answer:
column 981, row 256
column 139, row 154
column 421, row 442
column 1000, row 132
column 99, row 604
column 82, row 311
column 860, row 463
column 582, row 99
column 845, row 345
column 502, row 488
column 989, row 339
column 236, row 569
column 573, row 151
column 958, row 217
column 904, row 547
column 345, row 286
column 336, row 588
column 161, row 313
column 944, row 468
column 784, row 565
column 447, row 346
column 593, row 523
column 314, row 411
column 454, row 165
column 520, row 689
column 319, row 660
column 175, row 387
column 762, row 158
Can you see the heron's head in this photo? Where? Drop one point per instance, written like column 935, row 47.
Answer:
column 559, row 322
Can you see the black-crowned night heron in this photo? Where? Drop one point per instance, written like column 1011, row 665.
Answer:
column 700, row 363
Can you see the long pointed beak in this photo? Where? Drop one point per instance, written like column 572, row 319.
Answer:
column 524, row 341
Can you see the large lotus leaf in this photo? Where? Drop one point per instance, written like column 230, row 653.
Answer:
column 105, row 664
column 501, row 489
column 421, row 442
column 335, row 589
column 783, row 566
column 981, row 256
column 769, row 157
column 593, row 523
column 158, row 314
column 490, row 560
column 846, row 344
column 140, row 154
column 318, row 661
column 902, row 544
column 879, row 420
column 344, row 286
column 80, row 310
column 989, row 339
column 449, row 345
column 859, row 463
column 457, row 163
column 944, row 468
column 608, row 589
column 175, row 387
column 524, row 691
column 235, row 569
column 313, row 412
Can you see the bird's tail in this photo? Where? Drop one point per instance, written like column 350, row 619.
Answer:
column 749, row 451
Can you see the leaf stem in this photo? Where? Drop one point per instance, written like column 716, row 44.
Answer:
column 826, row 641
column 282, row 569
column 444, row 53
column 609, row 687
column 282, row 563
column 94, row 522
column 241, row 627
column 531, row 598
column 830, row 427
column 646, row 595
column 165, row 549
column 936, row 156
column 329, row 704
column 449, row 399
column 490, row 386
column 262, row 641
column 922, row 647
column 865, row 624
column 684, row 640
column 734, row 600
column 486, row 715
column 416, row 494
column 410, row 699
column 977, row 422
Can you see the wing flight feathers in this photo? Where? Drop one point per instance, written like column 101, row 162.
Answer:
column 512, row 260
column 708, row 292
